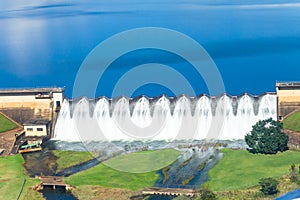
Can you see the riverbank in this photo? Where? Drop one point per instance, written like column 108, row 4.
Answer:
column 66, row 159
column 12, row 176
column 236, row 176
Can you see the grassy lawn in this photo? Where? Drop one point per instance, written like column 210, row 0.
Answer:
column 6, row 124
column 239, row 169
column 144, row 161
column 292, row 122
column 12, row 175
column 70, row 158
column 102, row 175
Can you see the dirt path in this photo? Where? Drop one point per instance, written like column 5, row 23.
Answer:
column 7, row 140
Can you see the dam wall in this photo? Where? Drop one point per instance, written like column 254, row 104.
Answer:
column 23, row 104
column 163, row 118
column 288, row 98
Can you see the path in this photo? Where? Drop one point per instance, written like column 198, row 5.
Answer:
column 8, row 139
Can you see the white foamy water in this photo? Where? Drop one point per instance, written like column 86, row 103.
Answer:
column 162, row 118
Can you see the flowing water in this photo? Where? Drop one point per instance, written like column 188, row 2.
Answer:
column 57, row 194
column 162, row 118
column 190, row 170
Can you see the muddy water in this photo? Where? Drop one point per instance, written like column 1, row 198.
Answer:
column 41, row 163
column 44, row 164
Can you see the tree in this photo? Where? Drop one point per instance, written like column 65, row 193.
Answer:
column 267, row 137
column 269, row 186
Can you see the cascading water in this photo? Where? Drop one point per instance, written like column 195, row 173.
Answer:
column 162, row 118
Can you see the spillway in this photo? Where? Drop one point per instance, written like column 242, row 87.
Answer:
column 162, row 118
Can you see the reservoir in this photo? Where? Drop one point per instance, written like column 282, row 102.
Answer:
column 253, row 43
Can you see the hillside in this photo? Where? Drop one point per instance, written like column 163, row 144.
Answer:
column 6, row 124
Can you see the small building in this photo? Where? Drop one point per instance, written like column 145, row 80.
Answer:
column 37, row 128
column 288, row 98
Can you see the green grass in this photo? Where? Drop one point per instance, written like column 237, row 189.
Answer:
column 105, row 176
column 239, row 169
column 70, row 158
column 12, row 175
column 101, row 175
column 292, row 122
column 6, row 124
column 144, row 161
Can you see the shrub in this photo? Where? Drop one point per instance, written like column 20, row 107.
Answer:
column 181, row 197
column 206, row 194
column 269, row 186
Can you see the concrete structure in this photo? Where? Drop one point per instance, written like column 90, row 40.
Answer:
column 26, row 103
column 170, row 191
column 288, row 98
column 37, row 128
column 53, row 181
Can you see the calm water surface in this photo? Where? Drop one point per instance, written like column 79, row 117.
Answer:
column 254, row 43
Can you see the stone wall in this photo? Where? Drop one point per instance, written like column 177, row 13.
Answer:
column 24, row 111
column 288, row 98
column 285, row 108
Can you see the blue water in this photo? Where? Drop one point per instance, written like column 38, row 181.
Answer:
column 291, row 195
column 253, row 43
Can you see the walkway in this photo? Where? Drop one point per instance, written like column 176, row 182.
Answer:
column 170, row 191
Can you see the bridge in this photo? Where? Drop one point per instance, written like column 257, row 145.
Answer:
column 170, row 191
column 53, row 181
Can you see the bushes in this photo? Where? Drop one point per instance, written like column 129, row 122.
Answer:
column 294, row 175
column 207, row 194
column 268, row 186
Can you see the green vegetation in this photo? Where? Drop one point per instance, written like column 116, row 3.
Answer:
column 186, row 181
column 181, row 197
column 12, row 176
column 143, row 161
column 268, row 185
column 6, row 124
column 101, row 175
column 70, row 158
column 185, row 163
column 207, row 194
column 292, row 122
column 165, row 173
column 202, row 166
column 267, row 137
column 240, row 170
column 295, row 174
